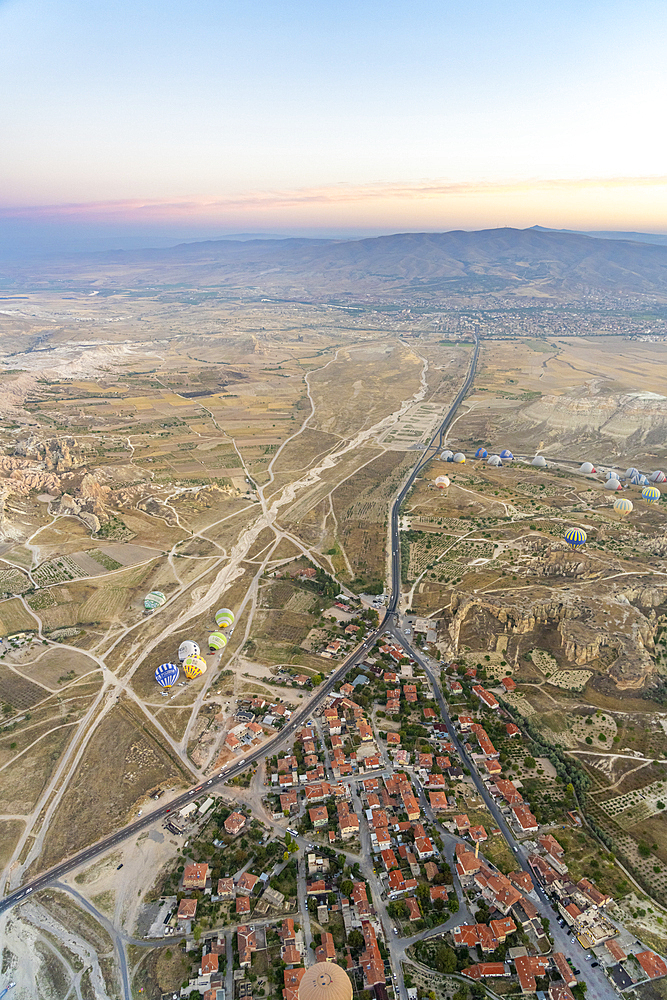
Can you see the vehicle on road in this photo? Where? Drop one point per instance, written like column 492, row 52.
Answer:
column 118, row 867
column 27, row 891
column 594, row 965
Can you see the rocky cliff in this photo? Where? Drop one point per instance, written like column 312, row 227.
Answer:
column 604, row 628
column 58, row 454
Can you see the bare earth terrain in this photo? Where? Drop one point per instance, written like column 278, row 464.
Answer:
column 213, row 448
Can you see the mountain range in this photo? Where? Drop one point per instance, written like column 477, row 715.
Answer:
column 493, row 263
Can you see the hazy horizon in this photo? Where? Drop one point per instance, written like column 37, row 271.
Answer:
column 353, row 119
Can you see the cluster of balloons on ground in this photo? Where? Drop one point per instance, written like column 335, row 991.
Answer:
column 189, row 654
column 575, row 537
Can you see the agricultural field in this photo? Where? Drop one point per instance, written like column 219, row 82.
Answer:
column 205, row 447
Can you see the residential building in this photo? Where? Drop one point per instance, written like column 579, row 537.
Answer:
column 246, row 942
column 187, row 909
column 528, row 967
column 246, row 883
column 524, row 819
column 225, row 888
column 326, row 952
column 234, row 823
column 318, row 816
column 194, row 876
column 348, row 821
column 289, row 801
column 485, row 697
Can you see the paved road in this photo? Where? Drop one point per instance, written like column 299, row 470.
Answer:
column 595, row 979
column 266, row 749
column 433, row 446
column 297, row 719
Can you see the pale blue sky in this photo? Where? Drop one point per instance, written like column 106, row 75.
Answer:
column 207, row 102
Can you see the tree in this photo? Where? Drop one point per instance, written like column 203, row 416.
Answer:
column 445, row 959
column 346, row 887
column 355, row 939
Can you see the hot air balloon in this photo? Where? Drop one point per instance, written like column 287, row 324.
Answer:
column 217, row 640
column 587, row 468
column 167, row 674
column 446, row 455
column 611, row 474
column 481, row 453
column 194, row 666
column 629, row 473
column 187, row 648
column 539, row 462
column 651, row 494
column 658, row 477
column 612, row 484
column 495, row 461
column 459, row 458
column 224, row 618
column 442, row 482
column 506, row 453
column 575, row 537
column 623, row 505
column 154, row 600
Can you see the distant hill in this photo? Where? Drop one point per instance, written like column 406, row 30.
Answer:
column 611, row 234
column 429, row 267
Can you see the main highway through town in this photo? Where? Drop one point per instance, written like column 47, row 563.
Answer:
column 297, row 718
column 391, row 625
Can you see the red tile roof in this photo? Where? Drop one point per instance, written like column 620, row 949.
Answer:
column 652, row 964
column 484, row 969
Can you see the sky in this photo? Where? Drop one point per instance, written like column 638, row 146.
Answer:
column 154, row 120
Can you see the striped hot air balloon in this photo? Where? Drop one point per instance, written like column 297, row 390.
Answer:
column 224, row 618
column 481, row 453
column 187, row 648
column 575, row 537
column 658, row 477
column 167, row 674
column 217, row 640
column 194, row 666
column 154, row 600
column 651, row 494
column 623, row 505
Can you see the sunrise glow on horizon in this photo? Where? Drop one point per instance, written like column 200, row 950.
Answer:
column 235, row 117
